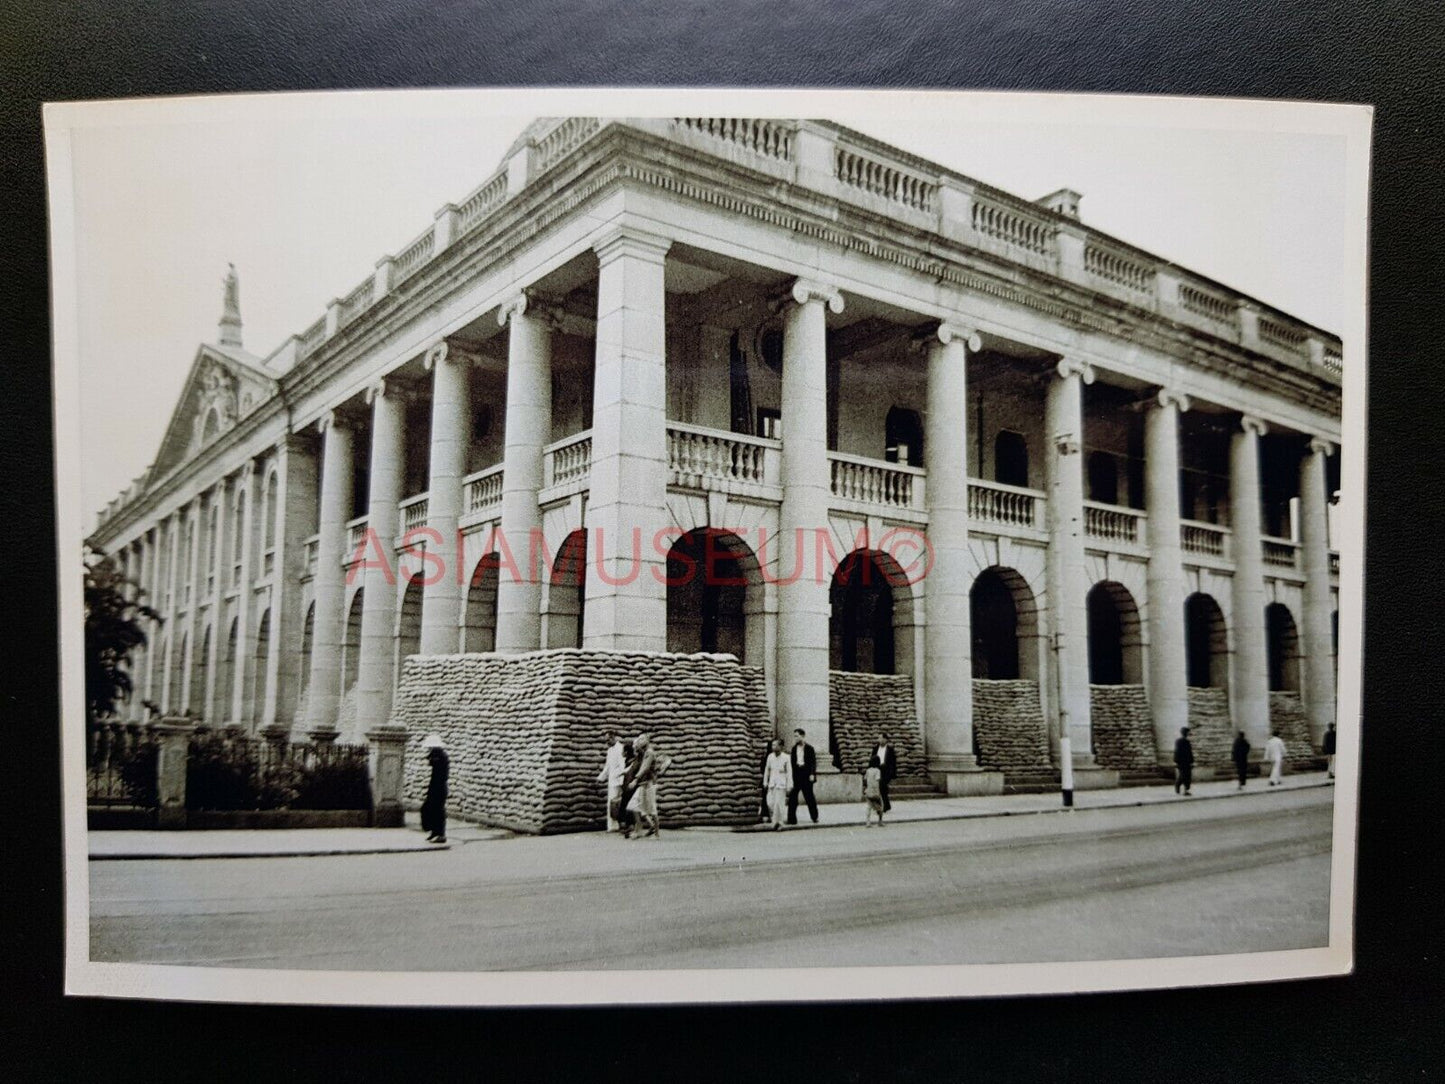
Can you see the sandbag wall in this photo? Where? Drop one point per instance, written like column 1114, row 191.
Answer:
column 1210, row 729
column 526, row 733
column 1287, row 718
column 1009, row 729
column 861, row 707
column 1122, row 726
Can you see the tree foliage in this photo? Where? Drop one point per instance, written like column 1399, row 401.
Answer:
column 114, row 610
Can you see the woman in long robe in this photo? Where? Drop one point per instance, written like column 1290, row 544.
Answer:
column 434, row 806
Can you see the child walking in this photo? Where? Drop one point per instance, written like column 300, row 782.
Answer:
column 872, row 795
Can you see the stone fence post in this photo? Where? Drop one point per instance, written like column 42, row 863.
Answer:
column 388, row 748
column 173, row 739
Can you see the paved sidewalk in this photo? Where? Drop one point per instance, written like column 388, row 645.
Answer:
column 299, row 842
column 1009, row 805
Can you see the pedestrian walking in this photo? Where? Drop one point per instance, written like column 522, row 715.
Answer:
column 1330, row 749
column 804, row 764
column 1274, row 753
column 645, row 770
column 885, row 759
column 1183, row 762
column 614, row 768
column 1240, row 755
column 764, row 813
column 434, row 805
column 872, row 795
column 778, row 781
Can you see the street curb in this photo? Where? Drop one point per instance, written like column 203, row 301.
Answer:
column 988, row 814
column 137, row 856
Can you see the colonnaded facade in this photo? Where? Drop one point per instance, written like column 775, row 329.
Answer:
column 936, row 447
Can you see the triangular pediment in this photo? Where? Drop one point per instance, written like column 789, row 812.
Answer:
column 224, row 385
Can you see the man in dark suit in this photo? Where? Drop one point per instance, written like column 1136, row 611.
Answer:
column 805, row 771
column 886, row 761
column 1184, row 761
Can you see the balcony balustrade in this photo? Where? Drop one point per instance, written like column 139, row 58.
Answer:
column 355, row 540
column 567, row 464
column 1204, row 539
column 699, row 458
column 1110, row 523
column 1281, row 553
column 861, row 481
column 482, row 492
column 1005, row 506
column 411, row 514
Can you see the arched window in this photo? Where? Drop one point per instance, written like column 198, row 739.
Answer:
column 714, row 594
column 904, row 434
column 1283, row 644
column 480, row 633
column 408, row 640
column 566, row 593
column 1011, row 459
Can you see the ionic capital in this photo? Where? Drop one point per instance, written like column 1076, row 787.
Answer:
column 806, row 290
column 515, row 305
column 1068, row 367
column 1252, row 425
column 948, row 333
column 332, row 419
column 542, row 310
column 1321, row 447
column 387, row 387
column 435, row 355
column 1170, row 397
column 626, row 240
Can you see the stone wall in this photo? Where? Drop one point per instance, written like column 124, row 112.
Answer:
column 861, row 707
column 1009, row 729
column 1210, row 729
column 525, row 733
column 1287, row 716
column 1123, row 727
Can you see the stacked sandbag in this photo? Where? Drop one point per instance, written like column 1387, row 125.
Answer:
column 862, row 706
column 526, row 733
column 1210, row 729
column 1009, row 730
column 1288, row 719
column 1123, row 727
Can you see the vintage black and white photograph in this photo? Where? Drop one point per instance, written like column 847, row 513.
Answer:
column 518, row 547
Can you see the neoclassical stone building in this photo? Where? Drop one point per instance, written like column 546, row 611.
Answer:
column 958, row 464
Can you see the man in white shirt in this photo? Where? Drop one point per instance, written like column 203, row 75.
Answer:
column 612, row 772
column 886, row 761
column 1274, row 752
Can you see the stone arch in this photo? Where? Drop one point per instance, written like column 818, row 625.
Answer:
column 408, row 625
column 1005, row 622
column 714, row 595
column 256, row 702
column 308, row 639
column 226, row 679
column 351, row 642
column 479, row 634
column 1116, row 637
column 1282, row 640
column 1206, row 643
column 565, row 605
column 872, row 624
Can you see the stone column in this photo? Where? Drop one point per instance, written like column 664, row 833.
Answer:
column 245, row 592
column 528, row 430
column 451, row 414
column 1068, row 575
column 296, row 501
column 375, row 671
column 150, row 595
column 1319, row 672
column 216, row 712
column 329, row 583
column 947, row 658
column 190, row 572
column 1168, row 678
column 803, row 581
column 1250, row 684
column 627, row 503
column 173, row 548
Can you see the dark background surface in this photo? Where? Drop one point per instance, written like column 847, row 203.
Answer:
column 1380, row 1024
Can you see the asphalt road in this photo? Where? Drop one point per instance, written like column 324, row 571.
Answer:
column 1247, row 874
